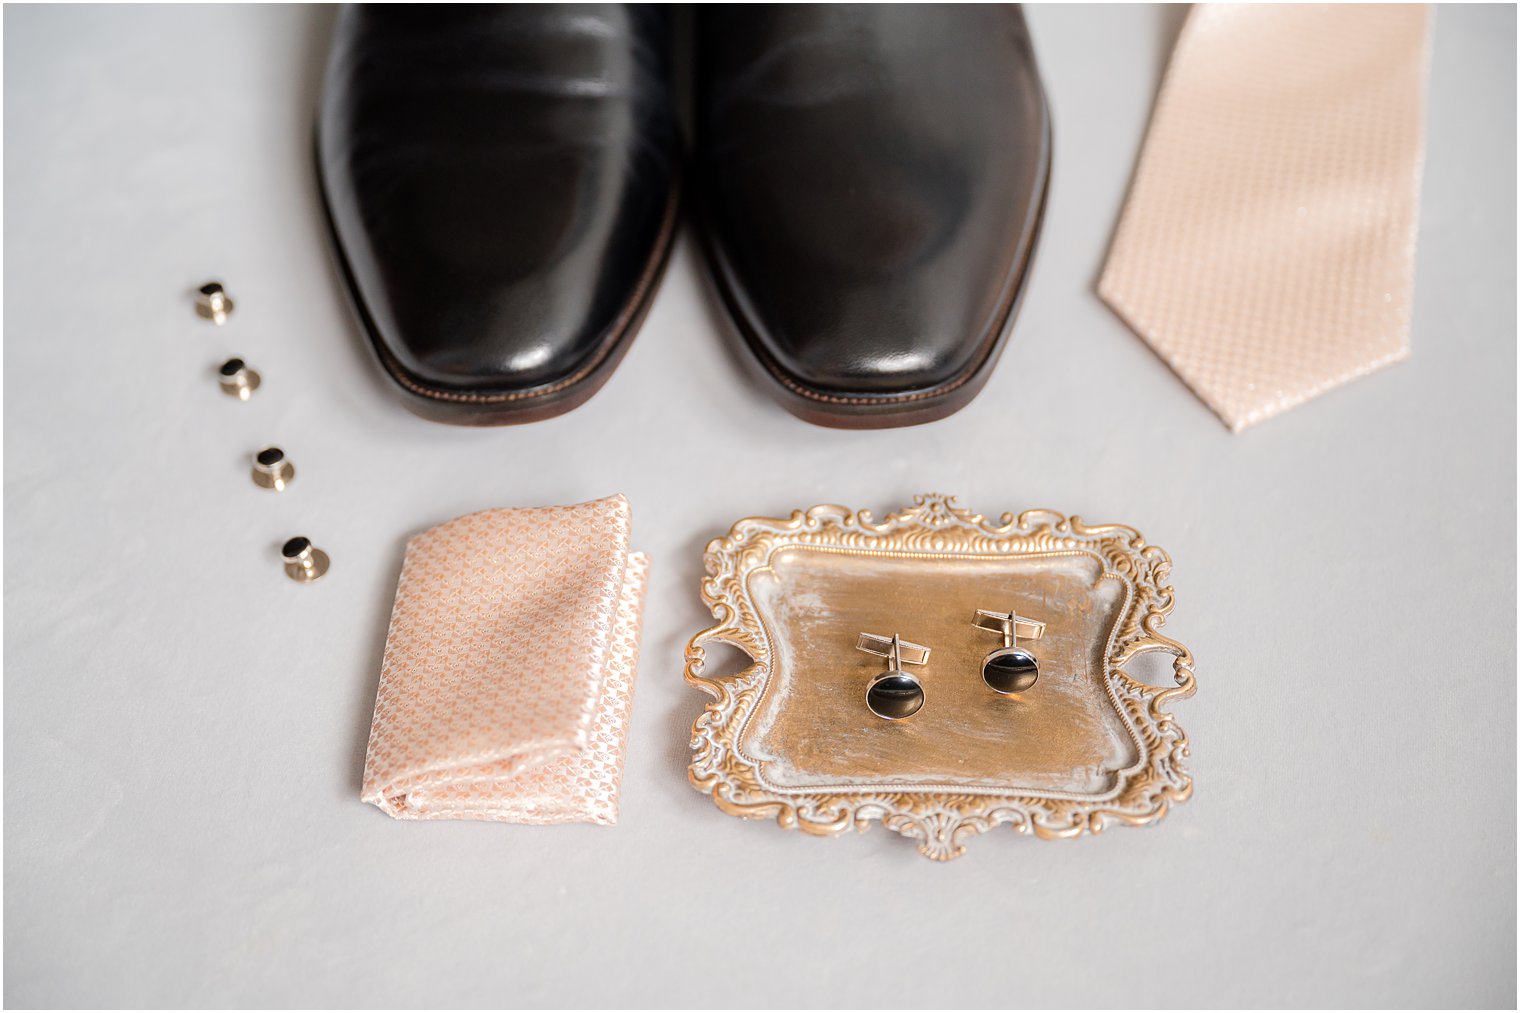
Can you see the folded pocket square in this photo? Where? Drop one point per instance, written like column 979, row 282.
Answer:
column 509, row 668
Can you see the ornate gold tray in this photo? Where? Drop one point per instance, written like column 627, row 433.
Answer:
column 791, row 737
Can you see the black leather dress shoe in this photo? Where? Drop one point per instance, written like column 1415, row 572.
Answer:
column 871, row 180
column 501, row 183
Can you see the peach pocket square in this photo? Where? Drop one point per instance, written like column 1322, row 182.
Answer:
column 509, row 668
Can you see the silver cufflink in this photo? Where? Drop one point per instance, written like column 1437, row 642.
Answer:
column 213, row 303
column 238, row 380
column 271, row 469
column 894, row 694
column 1009, row 669
column 304, row 562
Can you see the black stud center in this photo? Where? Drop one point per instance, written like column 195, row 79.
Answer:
column 895, row 696
column 1011, row 670
column 231, row 367
column 211, row 288
column 270, row 456
column 295, row 547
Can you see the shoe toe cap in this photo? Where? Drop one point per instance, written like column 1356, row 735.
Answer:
column 468, row 284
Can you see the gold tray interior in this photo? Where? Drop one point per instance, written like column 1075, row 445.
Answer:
column 811, row 727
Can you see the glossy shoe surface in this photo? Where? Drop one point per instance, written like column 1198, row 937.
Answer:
column 501, row 185
column 871, row 181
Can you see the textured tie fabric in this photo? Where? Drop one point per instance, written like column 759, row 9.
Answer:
column 509, row 668
column 1266, row 250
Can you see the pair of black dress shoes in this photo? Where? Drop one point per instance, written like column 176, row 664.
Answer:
column 503, row 185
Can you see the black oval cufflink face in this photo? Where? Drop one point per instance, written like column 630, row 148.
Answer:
column 893, row 696
column 1010, row 670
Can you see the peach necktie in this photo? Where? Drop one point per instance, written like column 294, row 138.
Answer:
column 1266, row 250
